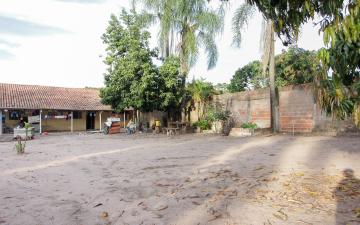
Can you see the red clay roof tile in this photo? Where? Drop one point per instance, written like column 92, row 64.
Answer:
column 18, row 96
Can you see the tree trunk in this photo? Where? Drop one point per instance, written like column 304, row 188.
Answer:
column 167, row 46
column 273, row 96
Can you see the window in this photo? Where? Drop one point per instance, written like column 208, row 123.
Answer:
column 77, row 114
column 51, row 113
column 14, row 115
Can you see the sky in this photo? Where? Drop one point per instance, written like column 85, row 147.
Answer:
column 58, row 43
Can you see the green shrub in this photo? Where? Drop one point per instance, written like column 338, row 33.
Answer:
column 203, row 124
column 20, row 146
column 217, row 115
column 249, row 125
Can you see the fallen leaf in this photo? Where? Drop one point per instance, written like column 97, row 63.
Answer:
column 160, row 207
column 280, row 215
column 104, row 215
column 357, row 212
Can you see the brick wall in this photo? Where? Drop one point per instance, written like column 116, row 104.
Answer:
column 298, row 111
column 247, row 106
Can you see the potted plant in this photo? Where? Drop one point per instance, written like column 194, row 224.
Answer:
column 202, row 125
column 19, row 145
column 248, row 129
column 218, row 118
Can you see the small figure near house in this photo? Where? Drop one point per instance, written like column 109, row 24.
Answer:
column 21, row 123
column 141, row 127
column 130, row 127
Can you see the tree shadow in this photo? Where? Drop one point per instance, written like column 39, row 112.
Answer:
column 347, row 195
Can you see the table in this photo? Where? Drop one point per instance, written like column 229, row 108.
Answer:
column 180, row 125
column 171, row 131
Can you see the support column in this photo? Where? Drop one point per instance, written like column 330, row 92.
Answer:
column 124, row 119
column 40, row 127
column 1, row 123
column 72, row 121
column 100, row 119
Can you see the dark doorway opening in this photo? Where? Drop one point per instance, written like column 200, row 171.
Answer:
column 90, row 120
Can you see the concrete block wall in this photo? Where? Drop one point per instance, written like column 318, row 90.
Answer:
column 247, row 106
column 296, row 109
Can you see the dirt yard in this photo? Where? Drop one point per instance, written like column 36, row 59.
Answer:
column 190, row 179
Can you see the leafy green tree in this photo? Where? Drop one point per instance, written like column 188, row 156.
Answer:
column 221, row 88
column 171, row 89
column 296, row 66
column 244, row 77
column 201, row 92
column 131, row 79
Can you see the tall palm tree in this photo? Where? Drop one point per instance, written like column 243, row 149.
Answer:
column 187, row 26
column 241, row 18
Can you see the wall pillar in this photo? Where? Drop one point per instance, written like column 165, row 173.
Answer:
column 1, row 123
column 100, row 120
column 72, row 121
column 40, row 127
column 124, row 119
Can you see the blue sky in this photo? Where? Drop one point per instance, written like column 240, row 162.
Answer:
column 57, row 42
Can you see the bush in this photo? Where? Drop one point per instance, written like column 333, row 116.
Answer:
column 20, row 146
column 203, row 124
column 249, row 125
column 217, row 115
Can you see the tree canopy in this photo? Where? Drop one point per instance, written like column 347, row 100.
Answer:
column 132, row 79
column 196, row 24
column 294, row 66
column 244, row 77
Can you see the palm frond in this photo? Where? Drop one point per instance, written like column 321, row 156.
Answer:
column 208, row 42
column 209, row 22
column 241, row 18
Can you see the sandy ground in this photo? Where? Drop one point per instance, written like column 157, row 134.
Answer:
column 190, row 179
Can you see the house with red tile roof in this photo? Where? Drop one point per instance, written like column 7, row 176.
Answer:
column 52, row 108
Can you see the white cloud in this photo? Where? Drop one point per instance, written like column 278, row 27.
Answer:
column 72, row 59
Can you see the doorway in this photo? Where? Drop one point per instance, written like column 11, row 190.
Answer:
column 90, row 120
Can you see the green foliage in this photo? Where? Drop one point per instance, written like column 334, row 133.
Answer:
column 20, row 146
column 221, row 88
column 294, row 66
column 289, row 15
column 171, row 84
column 195, row 22
column 249, row 125
column 338, row 94
column 246, row 78
column 240, row 19
column 214, row 114
column 203, row 124
column 200, row 90
column 132, row 80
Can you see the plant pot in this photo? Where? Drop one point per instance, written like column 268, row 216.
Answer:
column 242, row 132
column 217, row 127
column 197, row 130
column 207, row 131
